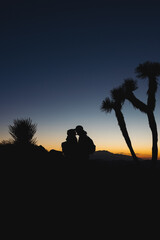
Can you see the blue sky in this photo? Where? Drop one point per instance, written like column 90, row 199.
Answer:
column 60, row 59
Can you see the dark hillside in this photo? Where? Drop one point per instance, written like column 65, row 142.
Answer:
column 31, row 155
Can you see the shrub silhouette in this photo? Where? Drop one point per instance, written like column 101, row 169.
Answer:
column 23, row 131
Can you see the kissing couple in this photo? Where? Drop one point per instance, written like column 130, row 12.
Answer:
column 77, row 149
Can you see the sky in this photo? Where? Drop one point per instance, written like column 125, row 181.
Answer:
column 60, row 60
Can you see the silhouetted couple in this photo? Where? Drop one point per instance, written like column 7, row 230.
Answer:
column 77, row 149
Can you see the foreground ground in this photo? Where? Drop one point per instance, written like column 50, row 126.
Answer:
column 142, row 164
column 32, row 156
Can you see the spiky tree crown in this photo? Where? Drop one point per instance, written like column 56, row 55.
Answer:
column 129, row 85
column 118, row 95
column 23, row 131
column 107, row 105
column 148, row 69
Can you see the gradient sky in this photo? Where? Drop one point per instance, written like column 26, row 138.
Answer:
column 60, row 59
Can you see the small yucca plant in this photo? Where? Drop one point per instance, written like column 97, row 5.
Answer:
column 23, row 131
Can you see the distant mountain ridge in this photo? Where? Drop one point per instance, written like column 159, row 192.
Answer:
column 106, row 155
column 103, row 155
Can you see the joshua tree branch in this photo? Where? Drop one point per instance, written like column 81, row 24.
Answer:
column 137, row 103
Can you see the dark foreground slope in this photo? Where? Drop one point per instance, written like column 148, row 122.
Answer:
column 38, row 186
column 38, row 157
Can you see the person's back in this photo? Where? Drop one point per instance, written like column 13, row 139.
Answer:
column 85, row 144
column 69, row 147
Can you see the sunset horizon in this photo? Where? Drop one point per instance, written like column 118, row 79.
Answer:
column 62, row 64
column 143, row 152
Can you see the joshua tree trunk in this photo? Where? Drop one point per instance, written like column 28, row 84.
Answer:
column 153, row 127
column 124, row 131
column 152, row 124
column 151, row 102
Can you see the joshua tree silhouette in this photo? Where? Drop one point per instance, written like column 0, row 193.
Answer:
column 151, row 71
column 116, row 104
column 129, row 86
column 23, row 131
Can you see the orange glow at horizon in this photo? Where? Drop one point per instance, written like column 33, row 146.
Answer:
column 141, row 153
column 116, row 147
column 105, row 133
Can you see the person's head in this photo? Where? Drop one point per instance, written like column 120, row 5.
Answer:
column 71, row 133
column 79, row 130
